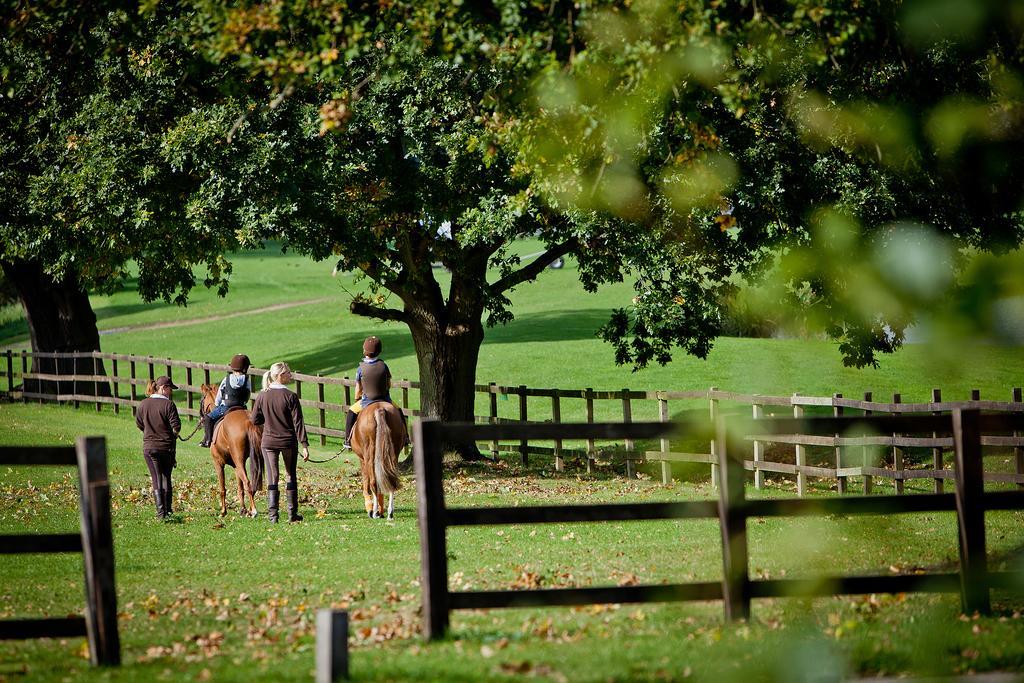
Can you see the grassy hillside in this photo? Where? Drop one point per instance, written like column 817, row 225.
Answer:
column 234, row 599
column 551, row 342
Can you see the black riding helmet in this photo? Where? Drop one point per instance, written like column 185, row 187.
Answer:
column 371, row 347
column 240, row 362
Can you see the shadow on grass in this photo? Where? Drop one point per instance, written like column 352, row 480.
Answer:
column 343, row 352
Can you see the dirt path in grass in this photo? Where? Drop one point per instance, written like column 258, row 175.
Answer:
column 211, row 318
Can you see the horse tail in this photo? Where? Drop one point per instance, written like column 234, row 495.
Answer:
column 255, row 439
column 385, row 460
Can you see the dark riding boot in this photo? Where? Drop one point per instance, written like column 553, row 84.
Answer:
column 168, row 498
column 158, row 497
column 350, row 423
column 207, row 432
column 273, row 500
column 292, row 496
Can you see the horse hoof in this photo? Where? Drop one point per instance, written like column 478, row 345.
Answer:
column 223, row 513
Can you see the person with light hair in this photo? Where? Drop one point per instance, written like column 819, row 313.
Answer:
column 277, row 408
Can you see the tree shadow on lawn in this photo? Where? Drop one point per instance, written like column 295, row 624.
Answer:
column 344, row 351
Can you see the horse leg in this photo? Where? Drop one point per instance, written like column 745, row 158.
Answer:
column 391, row 506
column 376, row 507
column 221, row 490
column 243, row 485
column 380, row 503
column 367, row 500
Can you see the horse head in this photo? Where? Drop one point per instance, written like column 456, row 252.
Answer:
column 209, row 395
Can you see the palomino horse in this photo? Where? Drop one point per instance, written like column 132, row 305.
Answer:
column 236, row 439
column 378, row 438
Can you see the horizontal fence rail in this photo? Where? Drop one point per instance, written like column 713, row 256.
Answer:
column 736, row 589
column 95, row 541
column 889, row 455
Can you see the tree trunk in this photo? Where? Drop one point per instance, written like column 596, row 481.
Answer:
column 447, row 360
column 60, row 320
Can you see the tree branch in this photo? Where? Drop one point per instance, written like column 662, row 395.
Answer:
column 534, row 268
column 370, row 311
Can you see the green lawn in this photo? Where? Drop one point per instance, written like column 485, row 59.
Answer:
column 235, row 599
column 551, row 342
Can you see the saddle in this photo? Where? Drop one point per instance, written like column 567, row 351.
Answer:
column 216, row 427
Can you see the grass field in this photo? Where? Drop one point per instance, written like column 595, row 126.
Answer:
column 235, row 599
column 204, row 598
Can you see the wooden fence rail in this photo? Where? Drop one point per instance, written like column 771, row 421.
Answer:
column 847, row 456
column 95, row 541
column 732, row 509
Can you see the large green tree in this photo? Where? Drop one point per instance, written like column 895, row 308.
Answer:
column 714, row 134
column 93, row 100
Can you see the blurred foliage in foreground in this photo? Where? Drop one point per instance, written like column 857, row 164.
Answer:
column 861, row 159
column 867, row 154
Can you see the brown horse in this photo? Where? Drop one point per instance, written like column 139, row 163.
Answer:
column 378, row 437
column 237, row 438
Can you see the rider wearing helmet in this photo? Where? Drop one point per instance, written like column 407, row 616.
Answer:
column 373, row 383
column 234, row 390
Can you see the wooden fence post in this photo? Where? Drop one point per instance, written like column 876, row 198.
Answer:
column 666, row 468
column 348, row 393
column 95, row 363
column 841, row 481
column 206, row 376
column 524, row 445
column 588, row 393
column 556, row 417
column 331, row 645
column 10, row 372
column 733, row 523
column 151, row 364
column 758, row 414
column 713, row 411
column 897, row 455
column 323, row 412
column 74, row 381
column 170, row 369
column 970, row 511
column 24, row 371
column 492, row 413
column 134, row 389
column 189, row 396
column 801, row 456
column 98, row 552
column 1018, row 451
column 975, row 394
column 115, row 389
column 866, row 451
column 937, row 463
column 427, row 459
column 627, row 417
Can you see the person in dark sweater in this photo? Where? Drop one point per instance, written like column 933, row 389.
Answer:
column 157, row 418
column 373, row 383
column 278, row 410
column 234, row 390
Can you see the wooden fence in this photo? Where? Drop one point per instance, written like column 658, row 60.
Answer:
column 736, row 589
column 95, row 541
column 325, row 399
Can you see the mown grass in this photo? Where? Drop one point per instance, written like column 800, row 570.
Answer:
column 551, row 343
column 234, row 599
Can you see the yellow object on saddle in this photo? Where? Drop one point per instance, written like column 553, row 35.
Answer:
column 359, row 406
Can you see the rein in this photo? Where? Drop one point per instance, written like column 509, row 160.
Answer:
column 325, row 459
column 202, row 415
